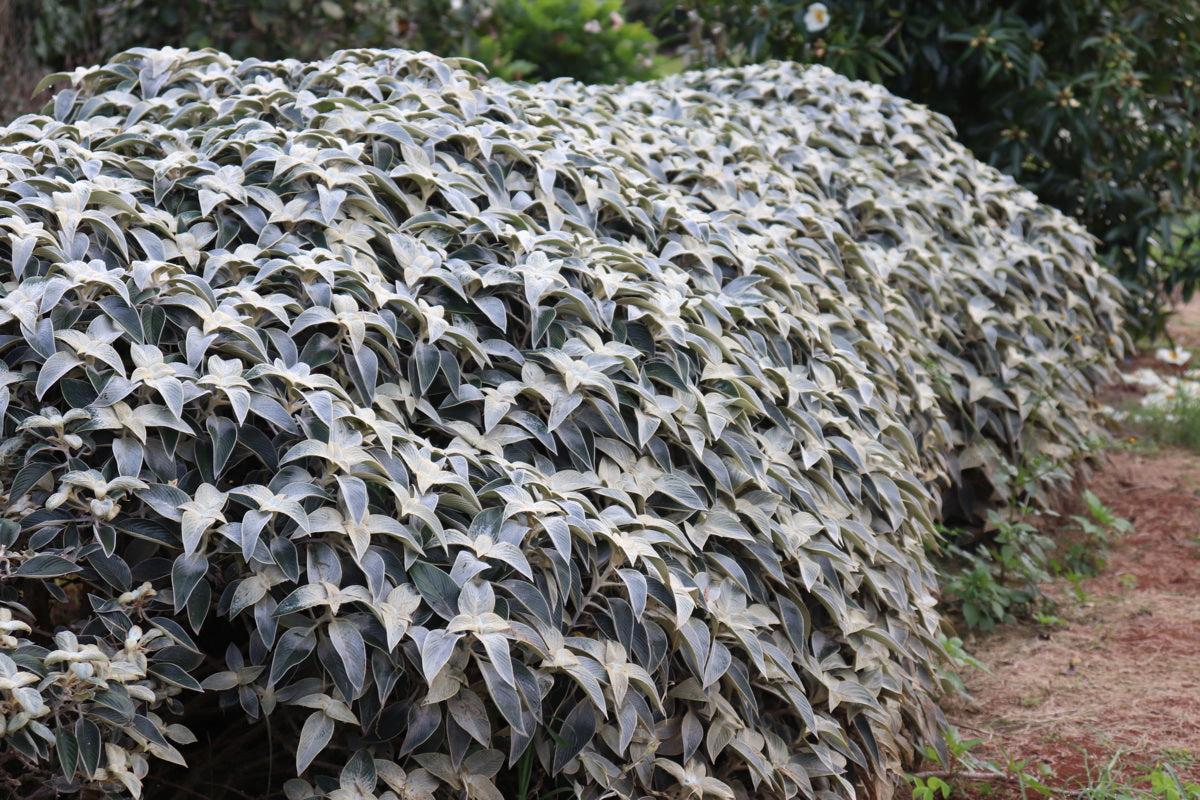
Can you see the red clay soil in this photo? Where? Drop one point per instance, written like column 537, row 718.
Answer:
column 1118, row 681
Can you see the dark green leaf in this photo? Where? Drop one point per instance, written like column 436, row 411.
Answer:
column 438, row 588
column 224, row 433
column 46, row 565
column 186, row 573
column 25, row 478
column 174, row 675
column 87, row 735
column 428, row 361
column 574, row 735
column 67, row 747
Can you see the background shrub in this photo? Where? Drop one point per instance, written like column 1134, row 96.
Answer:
column 1090, row 103
column 20, row 69
column 589, row 40
column 498, row 439
column 536, row 40
column 73, row 33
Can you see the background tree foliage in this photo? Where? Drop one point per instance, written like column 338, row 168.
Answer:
column 538, row 39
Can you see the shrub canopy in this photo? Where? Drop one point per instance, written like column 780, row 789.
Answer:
column 492, row 439
column 1090, row 103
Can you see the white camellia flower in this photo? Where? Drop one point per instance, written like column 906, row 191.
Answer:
column 817, row 17
column 1173, row 355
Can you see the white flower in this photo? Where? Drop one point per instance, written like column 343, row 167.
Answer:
column 817, row 17
column 1173, row 355
column 592, row 26
column 1144, row 377
column 1171, row 392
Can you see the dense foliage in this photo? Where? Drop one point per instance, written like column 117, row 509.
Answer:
column 589, row 40
column 73, row 33
column 1093, row 104
column 493, row 439
column 1090, row 103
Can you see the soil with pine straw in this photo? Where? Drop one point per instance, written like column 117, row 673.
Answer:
column 1115, row 684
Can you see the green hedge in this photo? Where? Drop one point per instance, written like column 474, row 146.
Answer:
column 498, row 439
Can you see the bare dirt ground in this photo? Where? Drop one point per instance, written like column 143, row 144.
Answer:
column 1118, row 681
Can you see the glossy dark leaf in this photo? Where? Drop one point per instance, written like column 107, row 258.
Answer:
column 67, row 747
column 46, row 565
column 186, row 573
column 348, row 644
column 88, row 740
column 116, row 699
column 438, row 589
column 174, row 675
column 292, row 648
column 224, row 433
column 25, row 478
column 427, row 359
column 575, row 734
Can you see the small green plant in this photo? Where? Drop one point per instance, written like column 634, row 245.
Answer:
column 1122, row 778
column 1165, row 783
column 956, row 658
column 959, row 747
column 1076, row 580
column 961, row 767
column 928, row 788
column 1078, row 559
column 1117, row 778
column 1085, row 557
column 954, row 753
column 958, row 655
column 1049, row 619
column 993, row 584
column 997, row 583
column 1104, row 521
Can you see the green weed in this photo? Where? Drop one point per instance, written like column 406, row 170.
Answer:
column 998, row 583
column 1119, row 779
column 964, row 773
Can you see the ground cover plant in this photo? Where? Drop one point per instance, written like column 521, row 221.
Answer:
column 501, row 440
